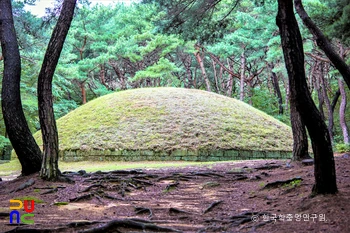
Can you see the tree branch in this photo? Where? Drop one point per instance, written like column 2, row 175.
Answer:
column 323, row 42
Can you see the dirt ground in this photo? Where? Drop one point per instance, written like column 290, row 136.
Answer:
column 226, row 197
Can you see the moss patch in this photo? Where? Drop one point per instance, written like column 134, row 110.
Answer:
column 168, row 123
column 36, row 200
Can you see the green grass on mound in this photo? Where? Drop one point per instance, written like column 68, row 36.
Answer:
column 167, row 119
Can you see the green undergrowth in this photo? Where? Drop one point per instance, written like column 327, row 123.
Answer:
column 11, row 167
column 167, row 119
column 342, row 147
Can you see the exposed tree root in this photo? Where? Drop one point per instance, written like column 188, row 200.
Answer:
column 241, row 177
column 84, row 223
column 140, row 220
column 127, row 172
column 177, row 211
column 142, row 210
column 170, row 187
column 281, row 182
column 82, row 197
column 208, row 174
column 114, row 224
column 78, row 173
column 54, row 190
column 246, row 217
column 268, row 167
column 142, row 181
column 146, row 176
column 50, row 187
column 91, row 187
column 64, row 179
column 176, row 177
column 211, row 206
column 111, row 197
column 26, row 184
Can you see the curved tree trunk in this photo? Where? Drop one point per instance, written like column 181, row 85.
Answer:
column 27, row 150
column 324, row 43
column 325, row 176
column 49, row 169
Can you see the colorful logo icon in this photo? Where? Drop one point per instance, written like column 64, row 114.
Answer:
column 16, row 205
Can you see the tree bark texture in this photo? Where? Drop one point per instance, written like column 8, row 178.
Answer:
column 217, row 87
column 187, row 62
column 318, row 87
column 102, row 75
column 324, row 43
column 277, row 90
column 243, row 63
column 300, row 139
column 324, row 168
column 27, row 150
column 230, row 80
column 342, row 110
column 335, row 100
column 120, row 75
column 201, row 64
column 49, row 169
column 83, row 92
column 327, row 101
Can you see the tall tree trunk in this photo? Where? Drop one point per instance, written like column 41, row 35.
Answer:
column 325, row 176
column 201, row 65
column 217, row 88
column 300, row 140
column 83, row 92
column 320, row 97
column 342, row 110
column 49, row 169
column 230, row 80
column 316, row 80
column 221, row 80
column 27, row 150
column 324, row 43
column 243, row 61
column 102, row 75
column 187, row 61
column 327, row 102
column 335, row 100
column 287, row 100
column 276, row 88
column 120, row 75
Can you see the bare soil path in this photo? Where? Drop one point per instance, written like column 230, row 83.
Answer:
column 252, row 196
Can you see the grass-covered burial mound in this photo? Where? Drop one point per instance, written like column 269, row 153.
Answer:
column 170, row 124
